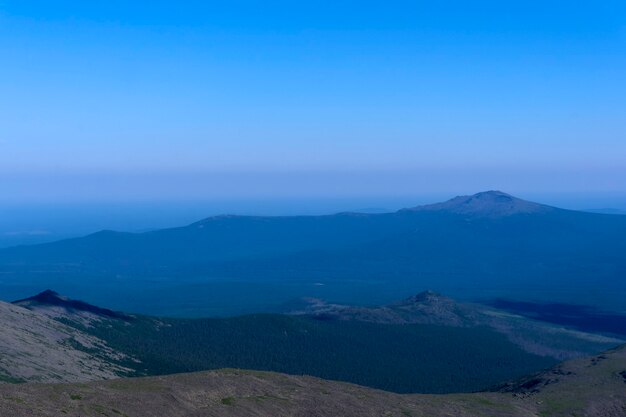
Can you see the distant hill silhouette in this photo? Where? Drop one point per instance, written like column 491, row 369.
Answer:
column 49, row 298
column 486, row 204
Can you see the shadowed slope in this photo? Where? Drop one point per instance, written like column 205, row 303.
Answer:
column 49, row 298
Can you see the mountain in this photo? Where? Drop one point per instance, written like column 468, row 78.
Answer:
column 591, row 387
column 228, row 237
column 489, row 244
column 486, row 204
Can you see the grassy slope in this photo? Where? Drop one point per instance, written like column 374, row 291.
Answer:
column 593, row 387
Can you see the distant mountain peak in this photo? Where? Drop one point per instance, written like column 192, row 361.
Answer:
column 45, row 297
column 433, row 303
column 486, row 204
column 49, row 298
column 427, row 296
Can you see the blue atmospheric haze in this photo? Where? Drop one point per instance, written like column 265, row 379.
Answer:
column 140, row 100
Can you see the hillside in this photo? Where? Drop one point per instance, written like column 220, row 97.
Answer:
column 489, row 244
column 538, row 337
column 591, row 387
column 427, row 343
column 34, row 347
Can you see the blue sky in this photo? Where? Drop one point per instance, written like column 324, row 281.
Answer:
column 195, row 100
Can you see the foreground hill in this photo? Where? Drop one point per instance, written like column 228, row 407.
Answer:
column 489, row 243
column 591, row 387
column 427, row 343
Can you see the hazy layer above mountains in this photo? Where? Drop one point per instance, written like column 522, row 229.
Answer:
column 483, row 246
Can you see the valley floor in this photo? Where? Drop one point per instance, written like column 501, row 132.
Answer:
column 594, row 387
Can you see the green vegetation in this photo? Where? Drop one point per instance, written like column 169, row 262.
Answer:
column 228, row 401
column 134, row 385
column 400, row 358
column 11, row 380
column 17, row 400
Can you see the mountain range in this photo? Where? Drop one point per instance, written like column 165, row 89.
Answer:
column 485, row 245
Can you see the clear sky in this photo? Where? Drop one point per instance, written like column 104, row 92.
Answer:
column 123, row 100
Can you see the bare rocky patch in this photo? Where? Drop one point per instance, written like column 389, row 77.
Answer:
column 35, row 347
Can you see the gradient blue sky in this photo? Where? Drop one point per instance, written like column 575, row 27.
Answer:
column 138, row 100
